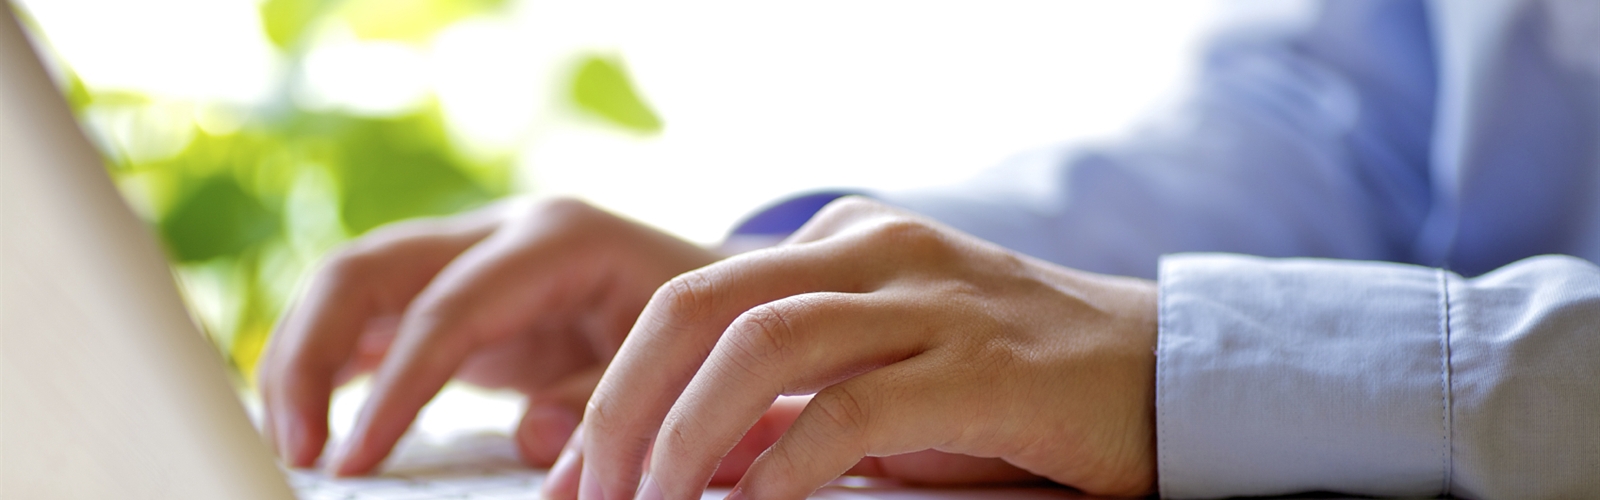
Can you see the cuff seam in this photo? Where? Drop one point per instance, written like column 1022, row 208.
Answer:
column 1446, row 382
column 1163, row 329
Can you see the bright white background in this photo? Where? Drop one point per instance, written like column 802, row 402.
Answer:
column 760, row 99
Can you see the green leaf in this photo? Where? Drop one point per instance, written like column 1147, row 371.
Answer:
column 392, row 169
column 216, row 219
column 286, row 21
column 601, row 86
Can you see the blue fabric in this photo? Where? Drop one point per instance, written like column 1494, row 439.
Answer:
column 1288, row 375
column 1453, row 134
column 788, row 215
column 1460, row 136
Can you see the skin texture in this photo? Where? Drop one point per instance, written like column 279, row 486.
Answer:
column 913, row 337
column 934, row 357
column 535, row 298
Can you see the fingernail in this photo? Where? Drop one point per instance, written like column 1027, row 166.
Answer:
column 551, row 427
column 280, row 440
column 649, row 491
column 736, row 494
column 336, row 463
column 589, row 488
column 332, row 465
column 561, row 474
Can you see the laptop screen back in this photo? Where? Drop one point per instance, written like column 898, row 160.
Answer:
column 107, row 390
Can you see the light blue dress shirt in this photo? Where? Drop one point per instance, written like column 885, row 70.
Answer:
column 1456, row 140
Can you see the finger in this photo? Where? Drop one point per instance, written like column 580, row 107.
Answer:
column 495, row 289
column 370, row 348
column 937, row 468
column 562, row 482
column 317, row 336
column 298, row 369
column 925, row 468
column 552, row 416
column 678, row 328
column 795, row 345
column 903, row 408
column 766, row 431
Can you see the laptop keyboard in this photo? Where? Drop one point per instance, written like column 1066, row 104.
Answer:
column 483, row 487
column 485, row 466
column 482, row 466
column 476, row 467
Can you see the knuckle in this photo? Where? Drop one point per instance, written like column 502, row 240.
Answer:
column 687, row 298
column 762, row 336
column 846, row 207
column 349, row 264
column 600, row 415
column 431, row 313
column 842, row 408
column 556, row 217
column 685, row 439
column 458, row 316
column 909, row 239
column 563, row 209
column 905, row 230
column 561, row 205
column 674, row 436
column 609, row 424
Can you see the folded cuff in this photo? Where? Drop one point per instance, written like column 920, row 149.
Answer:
column 1277, row 376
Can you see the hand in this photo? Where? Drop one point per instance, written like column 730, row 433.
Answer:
column 912, row 336
column 537, row 299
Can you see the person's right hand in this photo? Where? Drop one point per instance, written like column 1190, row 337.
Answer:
column 536, row 299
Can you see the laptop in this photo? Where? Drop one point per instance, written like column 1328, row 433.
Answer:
column 108, row 389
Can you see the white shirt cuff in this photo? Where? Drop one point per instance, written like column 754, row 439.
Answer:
column 1278, row 376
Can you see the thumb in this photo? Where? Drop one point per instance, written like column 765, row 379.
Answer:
column 553, row 414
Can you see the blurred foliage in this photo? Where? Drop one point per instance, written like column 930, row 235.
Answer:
column 602, row 87
column 247, row 207
column 286, row 21
column 238, row 211
column 217, row 219
column 407, row 20
column 397, row 169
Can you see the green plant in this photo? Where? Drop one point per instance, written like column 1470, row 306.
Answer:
column 247, row 208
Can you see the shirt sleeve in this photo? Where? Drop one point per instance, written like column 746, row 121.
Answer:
column 1293, row 375
column 1305, row 135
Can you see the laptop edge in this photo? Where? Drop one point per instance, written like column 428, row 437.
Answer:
column 107, row 389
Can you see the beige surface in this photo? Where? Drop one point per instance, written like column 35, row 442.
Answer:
column 106, row 388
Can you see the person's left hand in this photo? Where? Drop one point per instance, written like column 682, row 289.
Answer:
column 914, row 338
